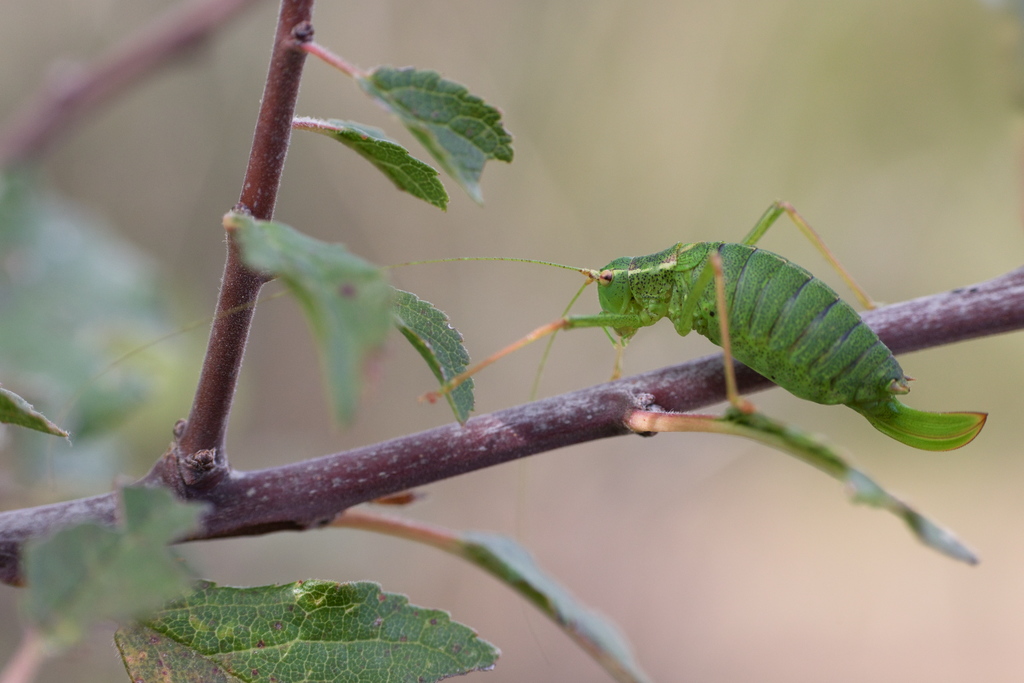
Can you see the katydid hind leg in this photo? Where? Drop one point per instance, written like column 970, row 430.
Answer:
column 773, row 214
column 731, row 390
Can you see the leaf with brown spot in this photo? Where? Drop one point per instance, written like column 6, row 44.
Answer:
column 348, row 632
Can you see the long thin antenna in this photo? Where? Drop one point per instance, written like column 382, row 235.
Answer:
column 65, row 409
column 589, row 272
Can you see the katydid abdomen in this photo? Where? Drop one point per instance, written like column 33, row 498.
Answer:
column 785, row 324
column 795, row 330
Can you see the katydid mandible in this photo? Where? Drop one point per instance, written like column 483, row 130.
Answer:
column 782, row 322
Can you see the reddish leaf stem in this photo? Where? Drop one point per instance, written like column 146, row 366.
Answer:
column 334, row 60
column 408, row 529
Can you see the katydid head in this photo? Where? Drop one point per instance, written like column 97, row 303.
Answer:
column 613, row 286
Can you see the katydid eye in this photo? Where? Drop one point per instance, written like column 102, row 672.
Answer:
column 606, row 277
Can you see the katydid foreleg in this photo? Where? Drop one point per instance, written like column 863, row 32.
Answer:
column 605, row 320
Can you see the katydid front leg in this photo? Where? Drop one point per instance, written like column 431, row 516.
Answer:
column 606, row 320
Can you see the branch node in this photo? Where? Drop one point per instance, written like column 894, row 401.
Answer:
column 242, row 209
column 640, row 402
column 644, row 401
column 201, row 470
column 302, row 32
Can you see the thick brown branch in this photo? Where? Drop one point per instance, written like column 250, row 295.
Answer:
column 309, row 493
column 206, row 427
column 70, row 94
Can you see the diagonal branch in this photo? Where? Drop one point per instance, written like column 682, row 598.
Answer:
column 67, row 95
column 311, row 493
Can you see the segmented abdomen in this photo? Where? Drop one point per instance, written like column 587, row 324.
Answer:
column 794, row 329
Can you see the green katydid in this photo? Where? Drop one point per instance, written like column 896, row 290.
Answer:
column 781, row 321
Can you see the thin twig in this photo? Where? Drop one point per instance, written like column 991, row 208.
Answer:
column 68, row 95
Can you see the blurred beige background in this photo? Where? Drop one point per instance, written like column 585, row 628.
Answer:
column 890, row 125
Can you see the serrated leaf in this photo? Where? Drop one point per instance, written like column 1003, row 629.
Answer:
column 512, row 564
column 862, row 488
column 309, row 632
column 17, row 411
column 459, row 130
column 347, row 301
column 430, row 332
column 406, row 171
column 89, row 572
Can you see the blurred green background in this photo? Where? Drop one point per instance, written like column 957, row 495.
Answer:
column 893, row 126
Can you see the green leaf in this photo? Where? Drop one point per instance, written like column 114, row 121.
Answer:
column 458, row 129
column 347, row 300
column 90, row 572
column 406, row 171
column 151, row 657
column 862, row 488
column 511, row 563
column 308, row 631
column 440, row 344
column 17, row 411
